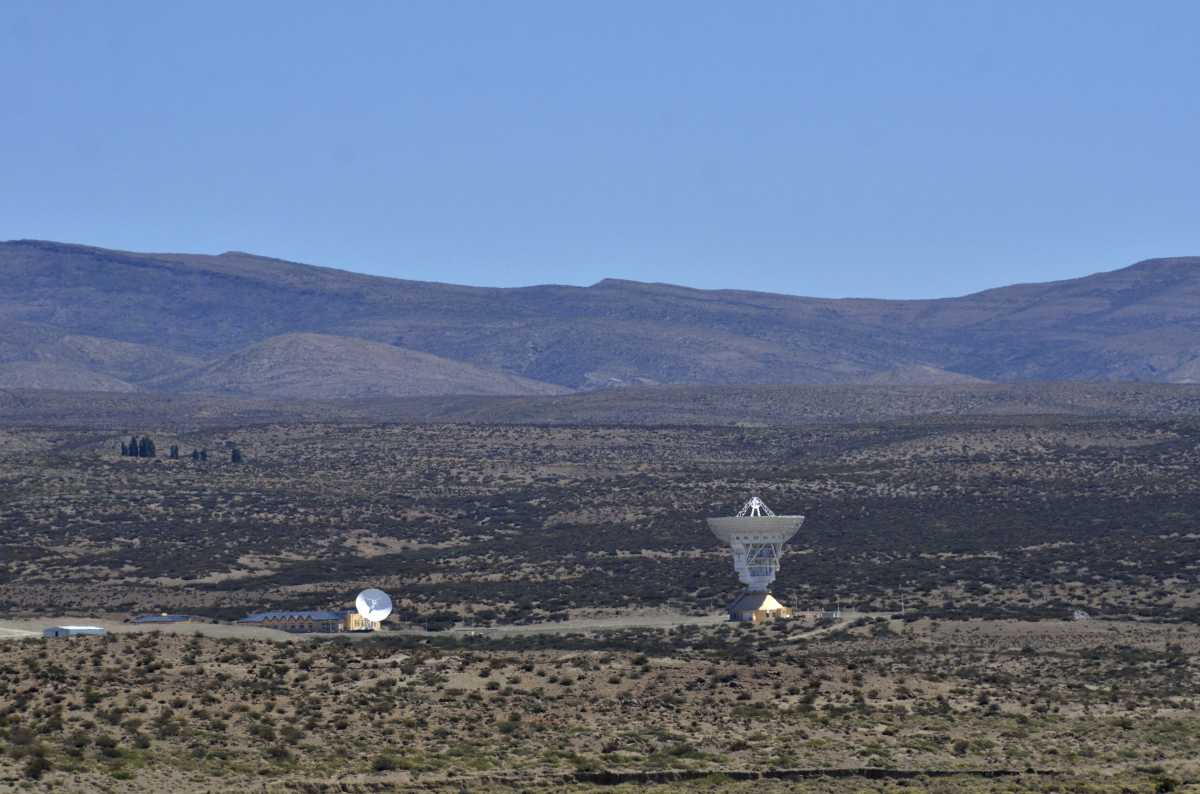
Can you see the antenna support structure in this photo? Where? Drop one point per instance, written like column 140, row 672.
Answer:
column 755, row 536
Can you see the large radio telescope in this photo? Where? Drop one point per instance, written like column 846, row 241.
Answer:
column 756, row 536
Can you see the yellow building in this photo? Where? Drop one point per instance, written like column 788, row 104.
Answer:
column 755, row 607
column 356, row 622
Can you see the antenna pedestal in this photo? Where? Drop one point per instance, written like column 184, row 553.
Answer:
column 756, row 537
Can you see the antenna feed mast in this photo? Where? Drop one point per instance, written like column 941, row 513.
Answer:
column 755, row 507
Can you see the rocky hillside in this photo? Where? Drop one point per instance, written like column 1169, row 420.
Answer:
column 78, row 317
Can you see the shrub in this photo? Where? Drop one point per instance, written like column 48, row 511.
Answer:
column 36, row 766
column 107, row 746
column 277, row 752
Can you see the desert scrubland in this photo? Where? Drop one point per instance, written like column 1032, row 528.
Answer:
column 990, row 530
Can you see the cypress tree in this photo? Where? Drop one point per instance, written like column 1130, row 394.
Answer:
column 124, row 449
column 236, row 456
column 174, row 452
column 195, row 454
column 204, row 454
column 133, row 446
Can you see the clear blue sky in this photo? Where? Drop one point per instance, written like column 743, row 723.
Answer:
column 890, row 149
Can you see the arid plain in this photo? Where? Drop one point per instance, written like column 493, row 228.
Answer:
column 957, row 546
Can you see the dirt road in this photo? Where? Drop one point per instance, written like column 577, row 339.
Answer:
column 20, row 628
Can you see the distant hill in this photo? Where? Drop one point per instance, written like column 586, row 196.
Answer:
column 320, row 367
column 187, row 321
column 42, row 375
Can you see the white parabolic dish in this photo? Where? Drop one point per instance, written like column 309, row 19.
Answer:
column 780, row 529
column 374, row 605
column 756, row 536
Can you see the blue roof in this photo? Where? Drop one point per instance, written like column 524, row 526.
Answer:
column 162, row 618
column 311, row 614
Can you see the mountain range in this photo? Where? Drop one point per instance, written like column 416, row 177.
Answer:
column 74, row 317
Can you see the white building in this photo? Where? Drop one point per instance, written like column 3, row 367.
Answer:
column 74, row 631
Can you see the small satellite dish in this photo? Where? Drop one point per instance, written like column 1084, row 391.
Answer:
column 374, row 605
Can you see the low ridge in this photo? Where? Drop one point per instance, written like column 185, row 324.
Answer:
column 174, row 321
